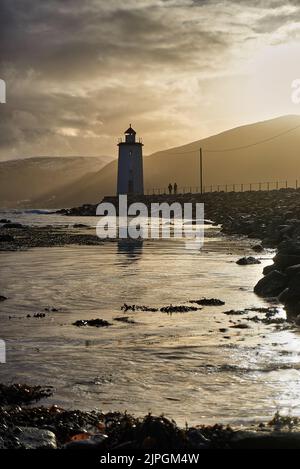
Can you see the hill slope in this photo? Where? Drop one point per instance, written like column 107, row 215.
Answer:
column 275, row 159
column 41, row 180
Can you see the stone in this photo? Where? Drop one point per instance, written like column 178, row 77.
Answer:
column 297, row 320
column 283, row 261
column 294, row 286
column 248, row 261
column 265, row 439
column 35, row 438
column 271, row 285
column 258, row 248
column 92, row 322
column 6, row 239
column 269, row 269
column 208, row 302
column 13, row 225
column 293, row 270
column 292, row 308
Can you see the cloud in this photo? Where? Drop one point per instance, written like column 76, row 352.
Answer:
column 78, row 71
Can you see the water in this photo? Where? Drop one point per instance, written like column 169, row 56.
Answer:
column 181, row 365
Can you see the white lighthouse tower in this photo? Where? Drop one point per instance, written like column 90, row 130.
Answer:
column 130, row 165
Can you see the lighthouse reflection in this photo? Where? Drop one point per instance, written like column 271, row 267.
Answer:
column 132, row 249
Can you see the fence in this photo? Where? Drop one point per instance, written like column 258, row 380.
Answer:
column 241, row 187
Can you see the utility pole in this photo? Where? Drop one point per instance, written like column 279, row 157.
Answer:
column 201, row 171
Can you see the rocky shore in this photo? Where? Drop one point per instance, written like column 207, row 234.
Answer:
column 273, row 218
column 266, row 215
column 24, row 427
column 15, row 236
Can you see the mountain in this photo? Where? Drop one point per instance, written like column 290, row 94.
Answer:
column 272, row 153
column 40, row 181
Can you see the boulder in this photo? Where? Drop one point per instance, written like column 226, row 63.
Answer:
column 248, row 261
column 283, row 261
column 268, row 269
column 271, row 285
column 35, row 438
column 258, row 248
column 293, row 270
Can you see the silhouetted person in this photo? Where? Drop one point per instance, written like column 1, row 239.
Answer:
column 170, row 188
column 175, row 188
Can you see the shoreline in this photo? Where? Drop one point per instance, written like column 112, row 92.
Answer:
column 282, row 432
column 40, row 427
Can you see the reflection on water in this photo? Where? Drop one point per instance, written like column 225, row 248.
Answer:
column 191, row 366
column 131, row 249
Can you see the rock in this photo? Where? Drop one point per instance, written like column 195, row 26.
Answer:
column 177, row 309
column 2, row 298
column 35, row 438
column 283, row 261
column 240, row 326
column 16, row 394
column 271, row 285
column 80, row 225
column 4, row 220
column 258, row 248
column 127, row 307
column 6, row 239
column 208, row 302
column 297, row 320
column 92, row 322
column 268, row 269
column 292, row 308
column 248, row 261
column 265, row 439
column 284, row 295
column 197, row 439
column 13, row 225
column 293, row 270
column 125, row 319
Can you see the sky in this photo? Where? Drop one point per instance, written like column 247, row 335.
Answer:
column 78, row 72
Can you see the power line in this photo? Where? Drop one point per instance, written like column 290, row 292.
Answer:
column 240, row 147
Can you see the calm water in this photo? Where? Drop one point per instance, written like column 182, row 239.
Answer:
column 182, row 365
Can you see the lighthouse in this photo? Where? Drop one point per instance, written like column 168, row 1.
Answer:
column 130, row 164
